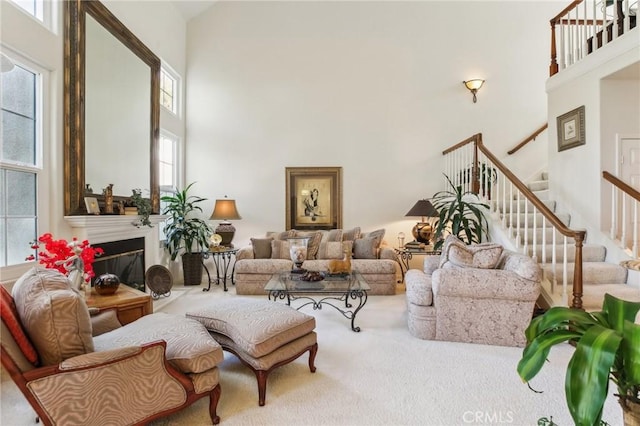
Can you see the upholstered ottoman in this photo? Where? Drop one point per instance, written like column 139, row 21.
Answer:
column 263, row 335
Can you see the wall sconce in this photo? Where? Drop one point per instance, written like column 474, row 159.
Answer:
column 473, row 86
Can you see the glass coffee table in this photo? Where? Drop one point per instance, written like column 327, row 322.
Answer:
column 332, row 290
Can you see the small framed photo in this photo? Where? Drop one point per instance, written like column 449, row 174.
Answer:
column 571, row 129
column 92, row 205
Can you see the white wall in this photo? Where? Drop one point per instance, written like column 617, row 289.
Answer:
column 373, row 87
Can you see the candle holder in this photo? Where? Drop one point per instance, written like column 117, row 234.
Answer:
column 298, row 252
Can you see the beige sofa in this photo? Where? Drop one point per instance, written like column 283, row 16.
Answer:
column 488, row 305
column 380, row 272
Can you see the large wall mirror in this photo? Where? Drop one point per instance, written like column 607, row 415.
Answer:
column 111, row 107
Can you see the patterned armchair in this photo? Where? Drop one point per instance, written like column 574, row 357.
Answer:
column 475, row 294
column 74, row 369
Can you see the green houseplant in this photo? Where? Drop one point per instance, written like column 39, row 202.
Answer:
column 144, row 207
column 487, row 176
column 186, row 234
column 607, row 349
column 459, row 213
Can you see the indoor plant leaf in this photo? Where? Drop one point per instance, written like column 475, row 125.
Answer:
column 537, row 351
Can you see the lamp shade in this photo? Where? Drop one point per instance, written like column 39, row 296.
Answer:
column 225, row 209
column 423, row 208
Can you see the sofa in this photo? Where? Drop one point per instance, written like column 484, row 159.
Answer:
column 268, row 255
column 475, row 294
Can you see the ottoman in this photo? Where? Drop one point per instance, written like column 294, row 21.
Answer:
column 263, row 335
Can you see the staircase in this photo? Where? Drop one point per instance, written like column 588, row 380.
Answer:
column 599, row 276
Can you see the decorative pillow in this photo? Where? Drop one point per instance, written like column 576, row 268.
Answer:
column 331, row 235
column 365, row 248
column 351, row 234
column 280, row 250
column 54, row 316
column 313, row 243
column 378, row 235
column 261, row 248
column 334, row 249
column 482, row 256
column 280, row 235
column 11, row 319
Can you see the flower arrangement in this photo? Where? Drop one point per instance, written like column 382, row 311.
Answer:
column 66, row 256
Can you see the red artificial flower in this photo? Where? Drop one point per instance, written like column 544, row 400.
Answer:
column 60, row 254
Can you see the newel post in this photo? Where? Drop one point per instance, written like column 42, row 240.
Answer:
column 577, row 273
column 553, row 68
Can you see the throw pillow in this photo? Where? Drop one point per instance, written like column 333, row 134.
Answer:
column 365, row 248
column 11, row 320
column 334, row 249
column 458, row 254
column 313, row 243
column 54, row 316
column 261, row 248
column 280, row 250
column 378, row 235
column 351, row 234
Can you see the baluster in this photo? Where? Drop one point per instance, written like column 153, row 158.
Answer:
column 526, row 227
column 614, row 212
column 623, row 220
column 565, row 297
column 535, row 234
column 583, row 44
column 554, row 263
column 504, row 201
column 518, row 219
column 563, row 49
column 634, row 249
column 594, row 31
column 544, row 240
column 511, row 209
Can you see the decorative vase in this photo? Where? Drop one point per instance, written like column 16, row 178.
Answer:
column 298, row 252
column 106, row 284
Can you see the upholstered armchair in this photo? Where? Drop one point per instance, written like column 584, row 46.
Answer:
column 477, row 294
column 77, row 369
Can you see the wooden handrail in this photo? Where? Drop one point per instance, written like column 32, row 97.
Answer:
column 632, row 192
column 566, row 10
column 528, row 139
column 473, row 138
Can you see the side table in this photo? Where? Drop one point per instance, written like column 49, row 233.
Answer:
column 221, row 260
column 129, row 303
column 405, row 254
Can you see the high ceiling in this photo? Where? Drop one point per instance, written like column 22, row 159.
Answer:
column 192, row 8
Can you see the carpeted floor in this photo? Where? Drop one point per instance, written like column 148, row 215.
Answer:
column 380, row 376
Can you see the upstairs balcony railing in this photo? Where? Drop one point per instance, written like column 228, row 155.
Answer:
column 471, row 165
column 586, row 26
column 625, row 219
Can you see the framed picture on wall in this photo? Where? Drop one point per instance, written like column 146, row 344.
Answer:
column 571, row 129
column 313, row 197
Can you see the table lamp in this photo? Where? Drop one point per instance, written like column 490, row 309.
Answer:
column 225, row 210
column 423, row 230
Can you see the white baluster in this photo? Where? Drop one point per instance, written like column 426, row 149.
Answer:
column 623, row 235
column 564, row 272
column 535, row 234
column 518, row 220
column 634, row 249
column 614, row 213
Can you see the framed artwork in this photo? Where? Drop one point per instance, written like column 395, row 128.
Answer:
column 92, row 205
column 571, row 129
column 313, row 198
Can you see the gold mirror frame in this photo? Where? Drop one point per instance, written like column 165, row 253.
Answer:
column 74, row 106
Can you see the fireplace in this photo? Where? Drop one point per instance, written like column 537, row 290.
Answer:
column 124, row 258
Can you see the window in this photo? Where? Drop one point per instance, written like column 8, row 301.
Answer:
column 20, row 161
column 168, row 170
column 169, row 90
column 39, row 9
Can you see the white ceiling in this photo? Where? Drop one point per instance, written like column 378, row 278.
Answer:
column 192, row 8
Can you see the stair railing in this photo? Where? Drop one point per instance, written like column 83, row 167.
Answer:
column 470, row 164
column 532, row 137
column 624, row 200
column 587, row 25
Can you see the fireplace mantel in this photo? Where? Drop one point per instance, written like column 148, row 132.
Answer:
column 101, row 229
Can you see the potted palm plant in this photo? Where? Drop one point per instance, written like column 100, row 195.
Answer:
column 459, row 213
column 186, row 233
column 607, row 349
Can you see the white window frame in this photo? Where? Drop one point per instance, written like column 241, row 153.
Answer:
column 177, row 89
column 41, row 167
column 177, row 158
column 44, row 13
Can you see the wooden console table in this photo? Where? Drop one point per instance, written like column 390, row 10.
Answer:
column 129, row 303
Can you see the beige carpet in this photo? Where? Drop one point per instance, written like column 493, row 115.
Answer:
column 380, row 376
